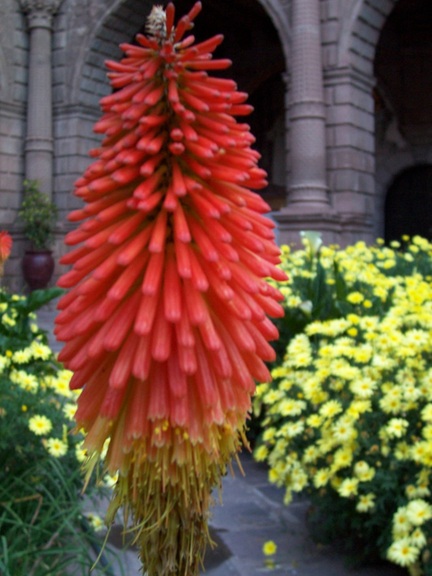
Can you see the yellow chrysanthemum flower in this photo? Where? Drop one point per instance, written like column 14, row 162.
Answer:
column 402, row 552
column 330, row 409
column 355, row 297
column 363, row 471
column 426, row 413
column 396, row 427
column 298, row 480
column 418, row 512
column 342, row 458
column 322, row 477
column 56, row 447
column 95, row 521
column 390, row 404
column 348, row 487
column 363, row 388
column 80, row 452
column 261, row 453
column 310, row 454
column 366, row 502
column 359, row 407
column 344, row 431
column 291, row 407
column 40, row 425
column 421, row 452
column 24, row 380
column 21, row 356
column 40, row 351
column 418, row 538
column 69, row 410
column 401, row 523
column 314, row 420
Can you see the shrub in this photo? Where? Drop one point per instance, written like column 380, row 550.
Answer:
column 38, row 214
column 348, row 417
column 42, row 527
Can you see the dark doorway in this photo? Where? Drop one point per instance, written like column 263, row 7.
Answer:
column 408, row 207
column 403, row 68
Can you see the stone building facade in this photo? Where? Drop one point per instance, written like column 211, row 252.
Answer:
column 342, row 91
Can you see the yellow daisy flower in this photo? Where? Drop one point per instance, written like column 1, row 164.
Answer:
column 402, row 552
column 56, row 447
column 40, row 425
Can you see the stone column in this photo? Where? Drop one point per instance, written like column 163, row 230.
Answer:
column 39, row 145
column 307, row 187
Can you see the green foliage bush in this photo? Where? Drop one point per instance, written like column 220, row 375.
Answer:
column 348, row 416
column 38, row 214
column 42, row 527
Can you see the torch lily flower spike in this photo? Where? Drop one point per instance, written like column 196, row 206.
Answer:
column 5, row 248
column 166, row 319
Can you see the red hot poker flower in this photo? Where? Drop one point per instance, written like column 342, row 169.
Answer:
column 166, row 322
column 5, row 248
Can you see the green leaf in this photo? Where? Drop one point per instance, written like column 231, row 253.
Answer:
column 39, row 298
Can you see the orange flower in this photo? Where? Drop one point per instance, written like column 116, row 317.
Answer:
column 166, row 320
column 5, row 248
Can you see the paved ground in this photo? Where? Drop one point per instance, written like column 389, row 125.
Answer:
column 251, row 513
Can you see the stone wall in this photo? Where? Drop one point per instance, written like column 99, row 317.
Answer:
column 358, row 166
column 13, row 81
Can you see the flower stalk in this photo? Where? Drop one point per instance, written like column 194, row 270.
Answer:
column 166, row 322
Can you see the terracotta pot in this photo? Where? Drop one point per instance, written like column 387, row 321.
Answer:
column 38, row 268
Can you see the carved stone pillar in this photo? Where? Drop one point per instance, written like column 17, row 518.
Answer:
column 308, row 186
column 39, row 144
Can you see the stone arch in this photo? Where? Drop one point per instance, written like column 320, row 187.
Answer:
column 276, row 195
column 93, row 36
column 118, row 24
column 361, row 28
column 121, row 21
column 403, row 96
column 280, row 22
